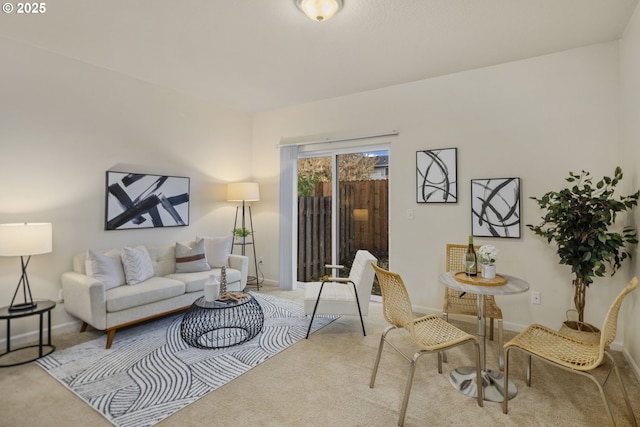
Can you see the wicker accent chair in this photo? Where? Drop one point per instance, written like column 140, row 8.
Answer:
column 571, row 354
column 430, row 333
column 467, row 304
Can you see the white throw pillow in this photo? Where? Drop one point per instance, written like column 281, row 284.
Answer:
column 191, row 258
column 217, row 250
column 137, row 264
column 105, row 267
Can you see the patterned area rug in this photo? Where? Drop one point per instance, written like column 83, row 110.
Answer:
column 150, row 373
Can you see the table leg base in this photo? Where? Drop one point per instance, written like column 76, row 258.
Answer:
column 464, row 380
column 45, row 349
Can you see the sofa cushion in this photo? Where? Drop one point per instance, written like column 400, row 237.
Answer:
column 217, row 250
column 195, row 281
column 105, row 267
column 190, row 257
column 137, row 264
column 146, row 292
column 163, row 258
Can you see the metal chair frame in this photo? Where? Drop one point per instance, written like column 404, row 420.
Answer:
column 571, row 354
column 344, row 280
column 430, row 333
column 358, row 273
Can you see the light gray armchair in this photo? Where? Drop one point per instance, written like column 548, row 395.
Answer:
column 342, row 295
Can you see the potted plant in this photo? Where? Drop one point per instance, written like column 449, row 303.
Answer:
column 242, row 234
column 487, row 256
column 578, row 220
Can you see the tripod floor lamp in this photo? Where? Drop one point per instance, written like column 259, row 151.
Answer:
column 24, row 240
column 245, row 192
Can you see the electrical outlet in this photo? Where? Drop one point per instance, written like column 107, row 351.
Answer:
column 60, row 296
column 535, row 297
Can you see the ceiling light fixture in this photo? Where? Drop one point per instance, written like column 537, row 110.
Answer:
column 319, row 10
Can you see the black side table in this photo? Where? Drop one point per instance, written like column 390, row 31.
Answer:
column 42, row 307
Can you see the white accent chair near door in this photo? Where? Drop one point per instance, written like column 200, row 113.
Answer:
column 342, row 295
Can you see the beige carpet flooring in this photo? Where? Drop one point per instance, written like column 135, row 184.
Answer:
column 324, row 381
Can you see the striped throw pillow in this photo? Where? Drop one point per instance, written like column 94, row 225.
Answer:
column 191, row 258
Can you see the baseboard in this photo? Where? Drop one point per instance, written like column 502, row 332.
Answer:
column 264, row 282
column 632, row 363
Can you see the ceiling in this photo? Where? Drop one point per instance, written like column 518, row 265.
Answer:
column 257, row 55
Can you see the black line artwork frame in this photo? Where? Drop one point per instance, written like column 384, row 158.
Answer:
column 135, row 201
column 495, row 207
column 437, row 176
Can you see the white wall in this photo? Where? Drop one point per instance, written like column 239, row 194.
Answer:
column 64, row 123
column 536, row 119
column 630, row 137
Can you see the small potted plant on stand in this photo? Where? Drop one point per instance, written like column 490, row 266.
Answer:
column 242, row 234
column 578, row 220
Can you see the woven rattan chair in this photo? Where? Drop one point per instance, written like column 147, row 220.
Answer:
column 430, row 333
column 467, row 304
column 571, row 354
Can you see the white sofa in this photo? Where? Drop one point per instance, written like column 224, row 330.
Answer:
column 108, row 302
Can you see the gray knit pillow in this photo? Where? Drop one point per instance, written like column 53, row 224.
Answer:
column 137, row 264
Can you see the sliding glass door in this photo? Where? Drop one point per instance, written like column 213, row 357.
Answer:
column 342, row 207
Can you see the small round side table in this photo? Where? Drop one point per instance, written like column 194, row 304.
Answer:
column 42, row 307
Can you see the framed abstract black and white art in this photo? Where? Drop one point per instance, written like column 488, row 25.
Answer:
column 495, row 207
column 436, row 176
column 136, row 200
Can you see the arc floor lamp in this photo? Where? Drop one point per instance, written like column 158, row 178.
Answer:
column 245, row 192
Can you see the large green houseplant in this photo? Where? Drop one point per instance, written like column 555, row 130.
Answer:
column 578, row 220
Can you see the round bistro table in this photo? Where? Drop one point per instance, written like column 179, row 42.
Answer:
column 217, row 324
column 464, row 378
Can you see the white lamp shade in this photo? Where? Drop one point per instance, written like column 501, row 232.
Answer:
column 239, row 191
column 319, row 10
column 21, row 239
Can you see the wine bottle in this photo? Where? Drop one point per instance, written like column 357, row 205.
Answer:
column 470, row 260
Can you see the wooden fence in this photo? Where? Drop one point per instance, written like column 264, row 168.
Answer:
column 363, row 223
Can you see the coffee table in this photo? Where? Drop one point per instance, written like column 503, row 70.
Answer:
column 217, row 324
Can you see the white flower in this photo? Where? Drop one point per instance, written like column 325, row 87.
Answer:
column 487, row 254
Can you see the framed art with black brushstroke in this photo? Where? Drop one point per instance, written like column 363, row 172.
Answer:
column 136, row 200
column 495, row 207
column 436, row 176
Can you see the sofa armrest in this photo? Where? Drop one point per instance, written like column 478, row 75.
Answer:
column 240, row 263
column 84, row 298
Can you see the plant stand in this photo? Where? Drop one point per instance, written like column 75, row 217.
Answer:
column 244, row 242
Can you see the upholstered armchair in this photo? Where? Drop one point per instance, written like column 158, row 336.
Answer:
column 342, row 295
